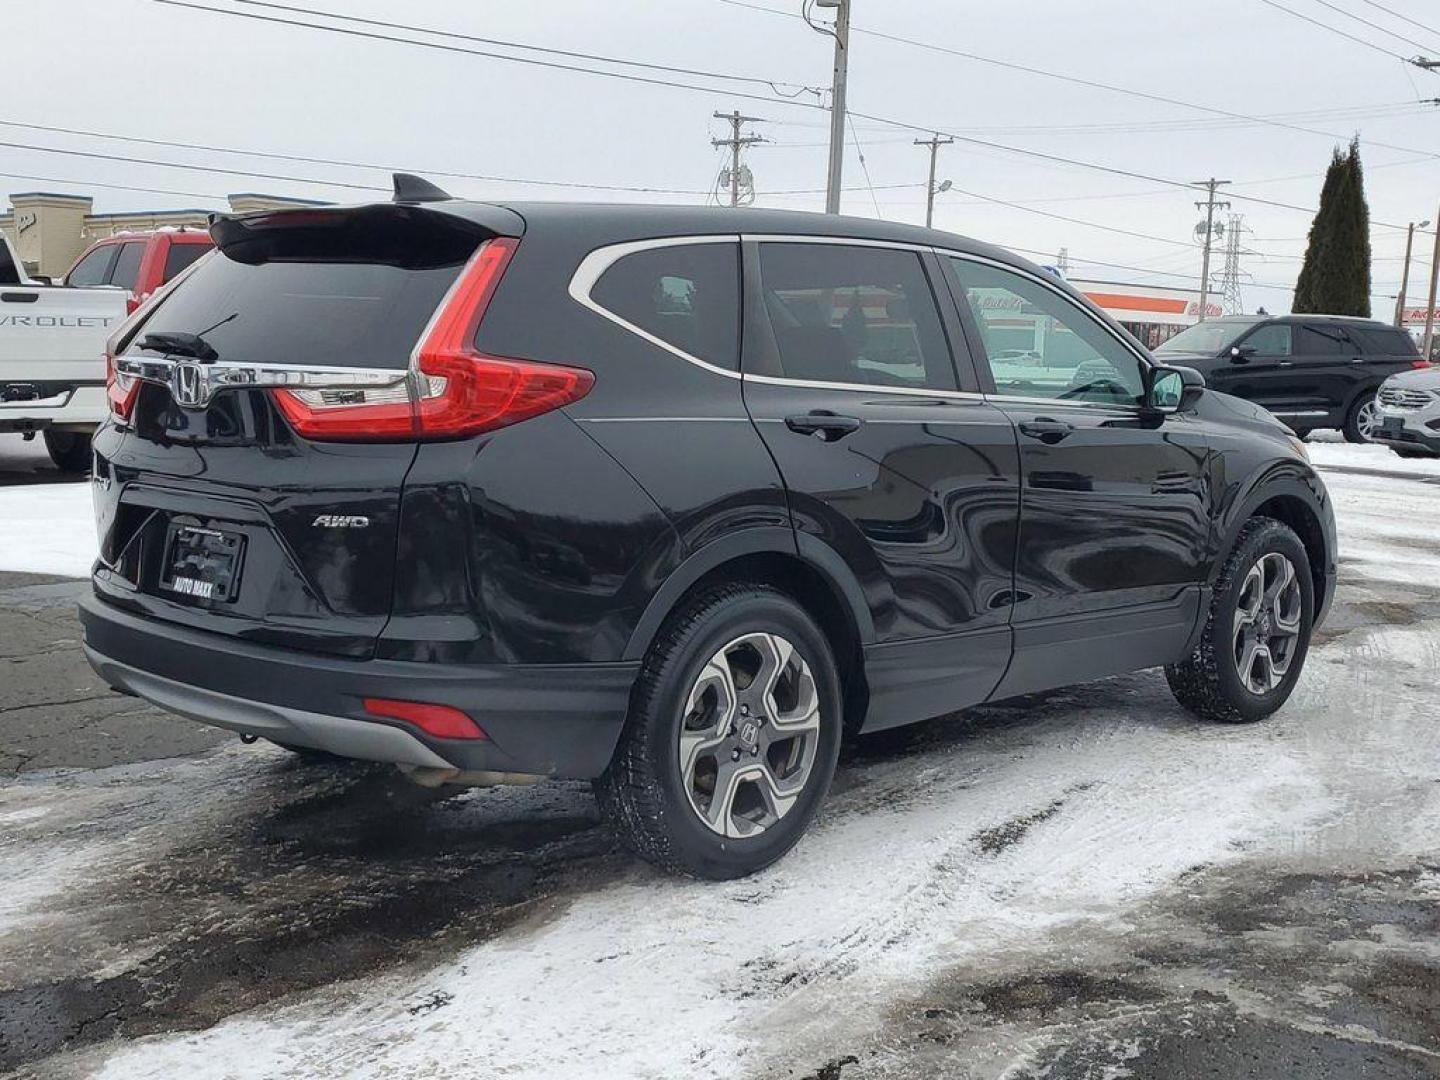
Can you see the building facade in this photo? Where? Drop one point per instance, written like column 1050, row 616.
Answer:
column 49, row 231
column 1153, row 313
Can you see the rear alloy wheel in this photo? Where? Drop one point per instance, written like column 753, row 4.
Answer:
column 732, row 737
column 1258, row 631
column 1362, row 421
column 69, row 450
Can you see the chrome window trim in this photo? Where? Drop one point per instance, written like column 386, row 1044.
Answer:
column 594, row 265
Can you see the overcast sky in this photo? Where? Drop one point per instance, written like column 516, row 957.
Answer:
column 143, row 69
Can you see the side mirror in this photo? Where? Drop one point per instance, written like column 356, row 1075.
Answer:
column 1240, row 354
column 1174, row 388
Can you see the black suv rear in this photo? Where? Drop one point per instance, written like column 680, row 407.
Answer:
column 1312, row 371
column 667, row 498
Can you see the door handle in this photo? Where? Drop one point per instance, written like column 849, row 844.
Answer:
column 1357, row 360
column 1285, row 363
column 823, row 424
column 19, row 297
column 1046, row 430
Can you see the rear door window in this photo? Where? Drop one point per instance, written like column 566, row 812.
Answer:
column 843, row 314
column 685, row 295
column 127, row 266
column 179, row 257
column 329, row 314
column 94, row 268
column 1322, row 341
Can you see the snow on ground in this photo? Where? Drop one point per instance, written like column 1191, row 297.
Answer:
column 910, row 873
column 47, row 529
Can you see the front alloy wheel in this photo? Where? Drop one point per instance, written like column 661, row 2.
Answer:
column 750, row 733
column 1266, row 627
column 1363, row 421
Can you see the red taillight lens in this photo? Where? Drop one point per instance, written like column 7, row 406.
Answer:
column 441, row 721
column 1420, row 364
column 121, row 390
column 457, row 391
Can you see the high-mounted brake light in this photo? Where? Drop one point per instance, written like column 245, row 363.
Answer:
column 454, row 390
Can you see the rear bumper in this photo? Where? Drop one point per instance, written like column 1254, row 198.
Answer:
column 83, row 405
column 548, row 720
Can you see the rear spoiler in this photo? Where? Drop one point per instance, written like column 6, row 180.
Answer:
column 421, row 227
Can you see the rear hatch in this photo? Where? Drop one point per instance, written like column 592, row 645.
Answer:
column 267, row 412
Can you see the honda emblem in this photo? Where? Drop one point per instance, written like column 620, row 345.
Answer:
column 188, row 386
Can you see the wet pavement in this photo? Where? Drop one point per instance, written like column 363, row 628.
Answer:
column 166, row 883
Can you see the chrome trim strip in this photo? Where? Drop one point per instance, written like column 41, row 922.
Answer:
column 194, row 383
column 594, row 265
column 1287, row 412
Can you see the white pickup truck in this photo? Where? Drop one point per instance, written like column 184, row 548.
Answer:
column 52, row 359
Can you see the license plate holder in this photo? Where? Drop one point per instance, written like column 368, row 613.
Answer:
column 1392, row 426
column 202, row 562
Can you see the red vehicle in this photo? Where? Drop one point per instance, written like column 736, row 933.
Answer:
column 138, row 262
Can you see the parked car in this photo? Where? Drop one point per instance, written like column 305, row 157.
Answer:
column 139, row 263
column 52, row 366
column 1312, row 371
column 1407, row 417
column 668, row 498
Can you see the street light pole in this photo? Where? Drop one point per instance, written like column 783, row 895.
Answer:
column 1405, row 273
column 837, row 102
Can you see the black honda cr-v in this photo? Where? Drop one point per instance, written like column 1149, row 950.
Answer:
column 668, row 498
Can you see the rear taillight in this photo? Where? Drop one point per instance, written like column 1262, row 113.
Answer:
column 1420, row 364
column 120, row 389
column 454, row 389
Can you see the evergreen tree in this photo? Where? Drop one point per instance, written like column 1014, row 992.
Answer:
column 1335, row 277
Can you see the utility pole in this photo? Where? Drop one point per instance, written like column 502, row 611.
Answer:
column 1230, row 276
column 736, row 143
column 1210, row 205
column 1430, row 307
column 934, row 143
column 1405, row 273
column 841, row 34
column 1062, row 261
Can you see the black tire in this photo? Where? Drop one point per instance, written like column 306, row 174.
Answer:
column 1302, row 433
column 1208, row 682
column 643, row 792
column 69, row 450
column 1351, row 429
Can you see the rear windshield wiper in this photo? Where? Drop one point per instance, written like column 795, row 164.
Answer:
column 179, row 343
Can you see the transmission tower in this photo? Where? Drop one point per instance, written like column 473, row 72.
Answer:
column 1229, row 286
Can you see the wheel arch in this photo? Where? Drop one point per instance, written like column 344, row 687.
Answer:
column 1293, row 502
column 803, row 567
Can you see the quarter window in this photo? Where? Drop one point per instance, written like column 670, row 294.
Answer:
column 1272, row 340
column 1039, row 344
column 687, row 295
column 847, row 314
column 94, row 268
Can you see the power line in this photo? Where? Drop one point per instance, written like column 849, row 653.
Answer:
column 336, row 162
column 1402, row 18
column 114, row 187
column 1336, row 30
column 774, row 84
column 1372, row 25
column 1092, row 84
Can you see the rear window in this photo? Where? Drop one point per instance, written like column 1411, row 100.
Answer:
column 336, row 314
column 180, row 256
